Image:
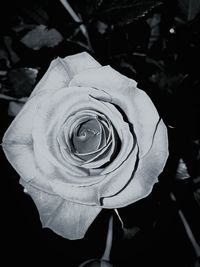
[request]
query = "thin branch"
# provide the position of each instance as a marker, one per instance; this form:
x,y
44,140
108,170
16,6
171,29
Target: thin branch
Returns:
x,y
77,19
10,98
190,234
188,229
79,43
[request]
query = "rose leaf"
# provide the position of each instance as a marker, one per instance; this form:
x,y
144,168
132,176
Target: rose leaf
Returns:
x,y
15,107
124,12
41,37
189,8
22,80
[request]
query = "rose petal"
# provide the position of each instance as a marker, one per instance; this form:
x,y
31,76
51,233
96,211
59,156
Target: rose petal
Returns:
x,y
88,194
135,103
22,159
61,71
146,175
79,62
144,119
17,141
120,177
19,131
105,134
86,137
77,119
55,78
100,158
102,145
126,138
103,78
65,218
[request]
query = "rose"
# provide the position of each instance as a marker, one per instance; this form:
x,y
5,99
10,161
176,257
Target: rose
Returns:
x,y
86,139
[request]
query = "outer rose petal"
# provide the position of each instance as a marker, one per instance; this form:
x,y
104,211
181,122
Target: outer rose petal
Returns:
x,y
17,141
19,132
68,219
146,175
61,71
22,159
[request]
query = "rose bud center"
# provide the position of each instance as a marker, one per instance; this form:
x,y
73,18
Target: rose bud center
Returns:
x,y
86,137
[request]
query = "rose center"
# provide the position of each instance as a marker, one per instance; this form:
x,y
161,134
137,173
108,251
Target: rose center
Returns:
x,y
87,137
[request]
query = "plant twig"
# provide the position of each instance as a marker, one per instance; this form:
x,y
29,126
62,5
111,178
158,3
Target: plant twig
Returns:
x,y
190,234
10,98
188,229
77,19
79,43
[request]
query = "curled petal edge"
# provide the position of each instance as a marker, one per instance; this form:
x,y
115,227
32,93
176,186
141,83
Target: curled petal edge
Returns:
x,y
68,219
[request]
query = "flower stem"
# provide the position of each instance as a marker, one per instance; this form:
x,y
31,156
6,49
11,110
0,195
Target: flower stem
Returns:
x,y
109,239
188,229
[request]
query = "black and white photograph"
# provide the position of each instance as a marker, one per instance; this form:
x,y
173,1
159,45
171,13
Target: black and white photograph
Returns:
x,y
100,133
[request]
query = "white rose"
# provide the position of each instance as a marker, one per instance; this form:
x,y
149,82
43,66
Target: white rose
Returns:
x,y
86,139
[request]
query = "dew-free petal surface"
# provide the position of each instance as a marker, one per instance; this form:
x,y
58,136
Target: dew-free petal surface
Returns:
x,y
146,175
22,159
68,219
61,71
20,130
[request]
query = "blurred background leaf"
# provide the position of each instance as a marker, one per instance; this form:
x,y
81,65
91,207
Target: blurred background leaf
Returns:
x,y
115,11
126,11
22,80
41,37
189,8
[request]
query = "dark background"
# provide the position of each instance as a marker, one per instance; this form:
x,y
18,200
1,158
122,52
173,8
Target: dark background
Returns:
x,y
157,44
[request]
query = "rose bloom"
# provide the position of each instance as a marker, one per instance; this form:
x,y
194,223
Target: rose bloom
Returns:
x,y
86,139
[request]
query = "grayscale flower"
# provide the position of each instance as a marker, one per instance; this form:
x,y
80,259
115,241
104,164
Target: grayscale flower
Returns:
x,y
87,139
